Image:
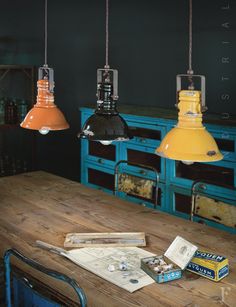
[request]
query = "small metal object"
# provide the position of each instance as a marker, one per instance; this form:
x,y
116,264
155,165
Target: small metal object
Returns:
x,y
157,261
225,115
125,274
167,267
123,266
133,281
157,269
162,262
110,77
111,268
211,153
202,86
46,72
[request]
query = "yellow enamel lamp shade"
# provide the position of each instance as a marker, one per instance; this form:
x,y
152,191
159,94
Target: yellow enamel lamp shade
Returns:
x,y
189,141
44,115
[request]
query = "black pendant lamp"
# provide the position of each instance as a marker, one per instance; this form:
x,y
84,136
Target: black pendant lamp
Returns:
x,y
106,125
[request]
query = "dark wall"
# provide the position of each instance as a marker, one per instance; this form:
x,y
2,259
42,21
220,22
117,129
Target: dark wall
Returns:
x,y
148,45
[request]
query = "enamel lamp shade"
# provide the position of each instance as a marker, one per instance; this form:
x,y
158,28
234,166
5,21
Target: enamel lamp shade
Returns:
x,y
45,115
105,128
106,125
189,141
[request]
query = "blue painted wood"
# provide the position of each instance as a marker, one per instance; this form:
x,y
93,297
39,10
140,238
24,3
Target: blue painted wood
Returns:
x,y
187,183
172,190
24,296
168,176
149,150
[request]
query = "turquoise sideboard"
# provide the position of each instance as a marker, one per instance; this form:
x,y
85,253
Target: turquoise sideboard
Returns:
x,y
149,125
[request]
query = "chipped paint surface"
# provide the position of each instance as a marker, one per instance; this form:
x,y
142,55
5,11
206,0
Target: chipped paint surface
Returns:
x,y
216,210
135,185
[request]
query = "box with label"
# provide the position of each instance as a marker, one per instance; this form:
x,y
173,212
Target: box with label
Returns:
x,y
169,266
212,266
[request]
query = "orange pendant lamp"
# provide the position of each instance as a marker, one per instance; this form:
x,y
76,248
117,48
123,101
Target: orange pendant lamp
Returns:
x,y
190,141
45,115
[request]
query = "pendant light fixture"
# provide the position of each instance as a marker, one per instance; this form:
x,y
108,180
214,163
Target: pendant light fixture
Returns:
x,y
45,116
189,141
106,125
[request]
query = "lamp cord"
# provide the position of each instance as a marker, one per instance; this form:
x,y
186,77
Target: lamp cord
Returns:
x,y
46,33
190,70
107,33
190,50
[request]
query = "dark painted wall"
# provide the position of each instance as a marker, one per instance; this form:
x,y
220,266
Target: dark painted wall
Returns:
x,y
148,45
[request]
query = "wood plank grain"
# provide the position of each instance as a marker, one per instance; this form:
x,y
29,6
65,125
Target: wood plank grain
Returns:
x,y
42,206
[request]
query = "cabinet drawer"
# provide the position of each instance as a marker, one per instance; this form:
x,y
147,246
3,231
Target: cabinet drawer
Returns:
x,y
138,171
98,177
146,156
147,135
150,203
180,205
180,201
221,174
97,153
226,142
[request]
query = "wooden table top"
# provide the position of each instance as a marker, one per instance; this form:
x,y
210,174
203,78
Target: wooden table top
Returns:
x,y
43,206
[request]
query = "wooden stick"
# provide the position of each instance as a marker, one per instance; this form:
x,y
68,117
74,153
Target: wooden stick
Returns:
x,y
51,248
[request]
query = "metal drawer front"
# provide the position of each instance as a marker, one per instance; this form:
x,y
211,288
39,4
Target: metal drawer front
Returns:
x,y
217,174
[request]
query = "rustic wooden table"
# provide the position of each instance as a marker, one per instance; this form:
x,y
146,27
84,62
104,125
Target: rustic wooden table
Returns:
x,y
43,206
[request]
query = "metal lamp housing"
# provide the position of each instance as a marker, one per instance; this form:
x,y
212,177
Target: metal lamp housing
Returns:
x,y
189,141
106,125
45,116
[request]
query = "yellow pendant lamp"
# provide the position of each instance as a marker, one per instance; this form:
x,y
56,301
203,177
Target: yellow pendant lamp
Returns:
x,y
190,141
45,115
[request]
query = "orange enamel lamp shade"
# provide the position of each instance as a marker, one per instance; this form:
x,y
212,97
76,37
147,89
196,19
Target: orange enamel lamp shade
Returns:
x,y
44,114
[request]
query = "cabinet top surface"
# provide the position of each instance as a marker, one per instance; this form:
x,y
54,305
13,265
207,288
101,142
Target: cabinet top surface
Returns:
x,y
16,66
43,206
171,114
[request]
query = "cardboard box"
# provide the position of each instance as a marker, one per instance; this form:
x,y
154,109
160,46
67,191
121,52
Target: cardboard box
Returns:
x,y
211,266
179,254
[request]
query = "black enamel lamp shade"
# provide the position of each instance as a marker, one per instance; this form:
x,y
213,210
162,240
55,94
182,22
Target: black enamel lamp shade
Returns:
x,y
106,125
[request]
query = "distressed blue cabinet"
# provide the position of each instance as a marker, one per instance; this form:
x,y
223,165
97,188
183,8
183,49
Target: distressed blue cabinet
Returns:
x,y
149,126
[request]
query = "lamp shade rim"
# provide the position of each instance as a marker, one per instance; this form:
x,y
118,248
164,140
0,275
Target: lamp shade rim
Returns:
x,y
196,145
45,118
189,157
100,127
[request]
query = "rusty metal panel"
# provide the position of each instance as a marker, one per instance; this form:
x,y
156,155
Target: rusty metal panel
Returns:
x,y
216,210
135,185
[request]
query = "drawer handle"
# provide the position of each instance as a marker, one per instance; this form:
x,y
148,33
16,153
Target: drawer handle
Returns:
x,y
225,136
202,187
142,172
142,140
100,160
